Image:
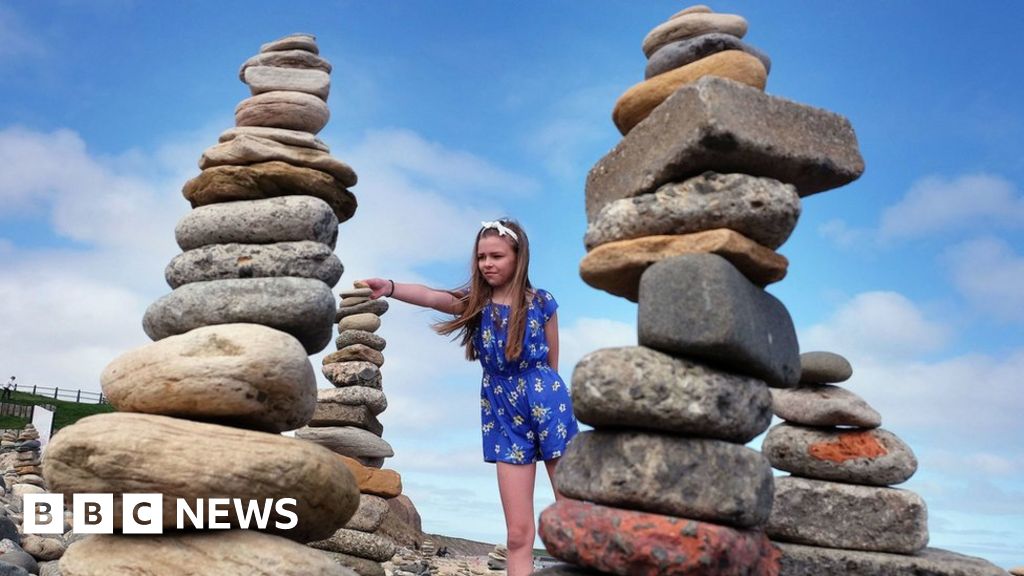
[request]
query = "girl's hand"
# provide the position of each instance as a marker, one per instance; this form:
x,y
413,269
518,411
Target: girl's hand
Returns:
x,y
380,286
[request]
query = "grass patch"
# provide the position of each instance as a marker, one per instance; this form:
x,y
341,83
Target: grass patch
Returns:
x,y
12,422
67,412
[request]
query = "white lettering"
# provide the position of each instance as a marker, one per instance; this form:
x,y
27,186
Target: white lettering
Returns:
x,y
283,511
216,508
196,516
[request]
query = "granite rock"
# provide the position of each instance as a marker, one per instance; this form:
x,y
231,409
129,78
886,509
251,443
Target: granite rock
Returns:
x,y
875,457
370,514
283,109
353,374
355,352
349,337
283,219
800,560
824,368
684,26
824,405
360,544
304,259
682,52
372,398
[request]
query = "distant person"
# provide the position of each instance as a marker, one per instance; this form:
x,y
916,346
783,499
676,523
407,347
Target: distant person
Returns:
x,y
9,389
512,328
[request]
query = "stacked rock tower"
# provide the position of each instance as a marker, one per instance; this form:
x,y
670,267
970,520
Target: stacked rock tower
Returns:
x,y
837,512
202,407
24,474
345,422
684,217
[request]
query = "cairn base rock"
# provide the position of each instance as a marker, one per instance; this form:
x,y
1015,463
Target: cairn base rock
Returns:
x,y
798,560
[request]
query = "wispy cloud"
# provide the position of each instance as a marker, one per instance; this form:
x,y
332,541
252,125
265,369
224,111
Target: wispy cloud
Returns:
x,y
989,274
16,40
936,204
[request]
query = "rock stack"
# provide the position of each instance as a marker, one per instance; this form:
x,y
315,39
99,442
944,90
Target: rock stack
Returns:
x,y
27,465
202,408
684,217
345,421
837,512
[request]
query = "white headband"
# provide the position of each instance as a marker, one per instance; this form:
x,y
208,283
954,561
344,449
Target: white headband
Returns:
x,y
501,228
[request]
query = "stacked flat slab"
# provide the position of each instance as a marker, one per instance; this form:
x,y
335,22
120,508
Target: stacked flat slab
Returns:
x,y
345,422
201,409
685,216
838,508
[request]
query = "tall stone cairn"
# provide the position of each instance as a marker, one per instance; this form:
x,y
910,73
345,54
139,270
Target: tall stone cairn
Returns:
x,y
345,422
685,216
201,409
837,512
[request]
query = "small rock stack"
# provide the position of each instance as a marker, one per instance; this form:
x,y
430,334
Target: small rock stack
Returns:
x,y
202,408
27,465
684,216
345,421
838,511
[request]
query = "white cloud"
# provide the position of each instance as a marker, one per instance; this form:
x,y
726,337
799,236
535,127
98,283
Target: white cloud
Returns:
x,y
587,335
841,234
564,143
934,204
989,274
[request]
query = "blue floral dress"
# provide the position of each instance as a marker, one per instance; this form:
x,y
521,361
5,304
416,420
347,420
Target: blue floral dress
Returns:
x,y
526,411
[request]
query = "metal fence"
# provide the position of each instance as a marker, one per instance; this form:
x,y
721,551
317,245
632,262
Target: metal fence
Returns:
x,y
80,396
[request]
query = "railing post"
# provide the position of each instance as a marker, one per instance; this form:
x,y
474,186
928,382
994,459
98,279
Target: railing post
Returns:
x,y
33,389
78,398
55,391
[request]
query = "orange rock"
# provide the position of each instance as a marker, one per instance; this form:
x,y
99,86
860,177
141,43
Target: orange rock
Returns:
x,y
860,444
375,481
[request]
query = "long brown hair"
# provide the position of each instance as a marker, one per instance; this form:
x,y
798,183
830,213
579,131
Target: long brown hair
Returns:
x,y
476,293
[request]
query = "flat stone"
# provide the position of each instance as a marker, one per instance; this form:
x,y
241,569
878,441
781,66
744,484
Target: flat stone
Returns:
x,y
353,374
289,137
304,259
637,103
800,560
370,514
262,79
629,543
847,516
616,267
348,441
361,544
360,566
876,457
720,125
349,337
245,149
366,321
286,59
1016,571
694,478
379,482
824,368
19,490
243,375
297,41
283,109
221,552
824,405
762,209
357,352
701,307
637,387
140,453
372,398
356,292
353,300
42,548
282,219
683,52
683,26
377,307
301,307
334,414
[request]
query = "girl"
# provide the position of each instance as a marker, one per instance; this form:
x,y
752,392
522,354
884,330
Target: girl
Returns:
x,y
512,329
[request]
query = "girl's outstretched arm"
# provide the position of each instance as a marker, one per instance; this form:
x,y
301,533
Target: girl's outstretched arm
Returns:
x,y
551,333
417,294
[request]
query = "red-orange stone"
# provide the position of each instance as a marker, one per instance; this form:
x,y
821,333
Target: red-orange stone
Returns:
x,y
861,444
641,544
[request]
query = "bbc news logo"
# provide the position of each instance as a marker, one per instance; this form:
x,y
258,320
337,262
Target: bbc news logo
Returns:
x,y
144,514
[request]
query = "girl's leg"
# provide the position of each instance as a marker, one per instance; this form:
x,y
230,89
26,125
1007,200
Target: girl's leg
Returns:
x,y
515,484
551,465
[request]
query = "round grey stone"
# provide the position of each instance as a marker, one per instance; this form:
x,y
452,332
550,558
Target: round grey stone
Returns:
x,y
680,53
366,321
280,219
824,368
876,457
824,405
350,337
377,307
301,307
8,568
360,544
19,559
348,441
334,414
762,209
637,387
361,373
304,259
370,514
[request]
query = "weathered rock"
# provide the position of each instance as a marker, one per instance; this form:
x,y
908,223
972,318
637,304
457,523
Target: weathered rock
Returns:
x,y
49,568
303,259
800,560
283,219
700,306
404,534
720,125
762,209
824,368
379,482
246,149
350,337
355,352
372,398
353,374
366,321
333,414
693,478
370,514
354,292
18,491
361,544
289,137
876,457
377,307
270,78
283,109
616,267
824,405
17,562
43,548
301,307
222,552
140,453
298,41
244,375
685,26
638,102
638,387
632,543
848,516
353,300
402,507
682,52
348,441
1016,571
286,59
361,566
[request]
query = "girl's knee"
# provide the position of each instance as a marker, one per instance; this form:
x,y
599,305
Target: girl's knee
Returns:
x,y
521,536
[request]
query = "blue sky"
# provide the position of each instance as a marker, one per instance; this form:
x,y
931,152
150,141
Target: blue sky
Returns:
x,y
454,112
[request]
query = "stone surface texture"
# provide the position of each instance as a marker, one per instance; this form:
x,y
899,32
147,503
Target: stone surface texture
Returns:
x,y
366,321
286,59
355,352
283,219
377,307
353,374
332,414
270,78
370,514
682,52
289,137
378,482
298,41
350,337
347,441
798,560
875,457
360,544
824,368
372,398
685,26
247,149
303,259
283,109
824,405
